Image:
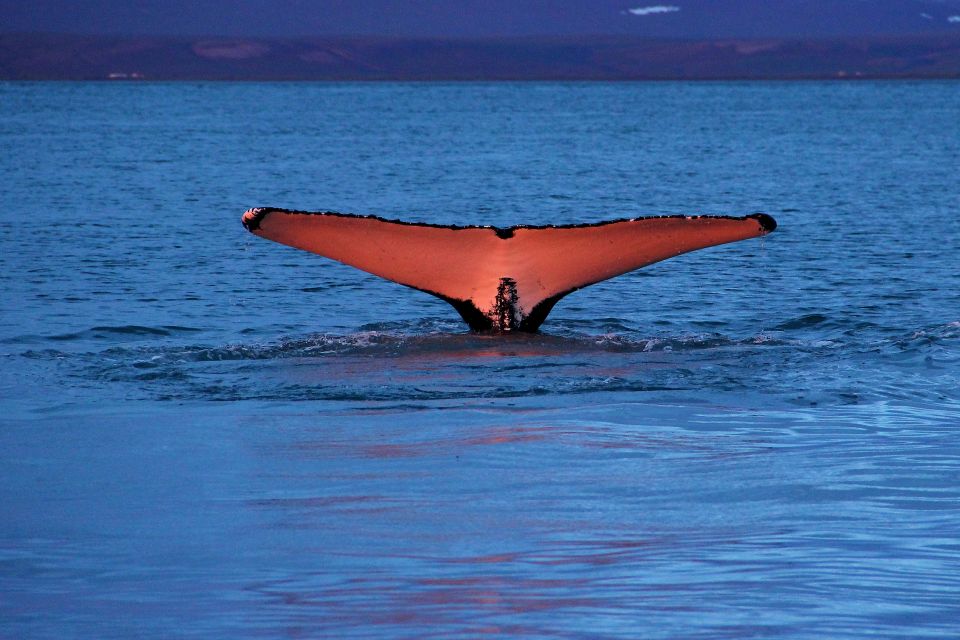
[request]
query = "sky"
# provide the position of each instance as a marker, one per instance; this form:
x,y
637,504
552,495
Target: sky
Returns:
x,y
483,18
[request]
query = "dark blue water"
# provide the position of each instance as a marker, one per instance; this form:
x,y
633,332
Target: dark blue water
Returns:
x,y
208,435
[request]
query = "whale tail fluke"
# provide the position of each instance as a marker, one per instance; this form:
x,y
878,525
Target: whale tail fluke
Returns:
x,y
499,278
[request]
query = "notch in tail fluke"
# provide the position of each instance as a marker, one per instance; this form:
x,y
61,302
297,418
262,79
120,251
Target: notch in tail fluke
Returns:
x,y
505,279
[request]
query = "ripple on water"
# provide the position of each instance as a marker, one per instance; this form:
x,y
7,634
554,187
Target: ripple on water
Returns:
x,y
805,361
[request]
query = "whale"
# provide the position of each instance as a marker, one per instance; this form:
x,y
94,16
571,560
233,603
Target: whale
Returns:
x,y
499,279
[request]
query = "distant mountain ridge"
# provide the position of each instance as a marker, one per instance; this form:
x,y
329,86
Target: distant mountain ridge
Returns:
x,y
66,57
687,19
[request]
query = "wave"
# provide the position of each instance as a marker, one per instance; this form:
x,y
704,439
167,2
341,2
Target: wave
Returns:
x,y
106,333
805,360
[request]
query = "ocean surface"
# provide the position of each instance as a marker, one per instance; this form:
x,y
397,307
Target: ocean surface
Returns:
x,y
207,435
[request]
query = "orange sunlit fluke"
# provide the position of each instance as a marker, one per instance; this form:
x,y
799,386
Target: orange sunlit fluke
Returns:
x,y
505,279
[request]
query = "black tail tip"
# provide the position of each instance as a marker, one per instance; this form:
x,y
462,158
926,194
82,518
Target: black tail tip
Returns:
x,y
767,222
252,217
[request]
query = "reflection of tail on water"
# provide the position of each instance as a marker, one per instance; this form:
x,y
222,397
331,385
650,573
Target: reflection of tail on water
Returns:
x,y
499,279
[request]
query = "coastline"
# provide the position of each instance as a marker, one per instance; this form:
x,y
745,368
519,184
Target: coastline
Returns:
x,y
391,59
